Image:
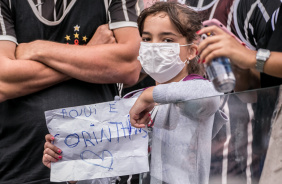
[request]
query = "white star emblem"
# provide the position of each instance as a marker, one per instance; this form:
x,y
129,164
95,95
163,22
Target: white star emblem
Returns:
x,y
76,28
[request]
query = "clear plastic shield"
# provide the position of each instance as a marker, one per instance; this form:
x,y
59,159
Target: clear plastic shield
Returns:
x,y
222,139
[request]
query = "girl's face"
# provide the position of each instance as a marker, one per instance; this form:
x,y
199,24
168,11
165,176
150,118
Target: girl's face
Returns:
x,y
159,29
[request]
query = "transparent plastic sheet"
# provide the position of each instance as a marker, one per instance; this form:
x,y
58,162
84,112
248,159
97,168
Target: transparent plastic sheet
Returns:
x,y
229,149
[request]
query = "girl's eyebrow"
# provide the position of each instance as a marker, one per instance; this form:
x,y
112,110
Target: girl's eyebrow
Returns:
x,y
147,33
161,34
167,33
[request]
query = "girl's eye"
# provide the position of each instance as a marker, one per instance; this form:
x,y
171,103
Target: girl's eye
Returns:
x,y
146,39
167,40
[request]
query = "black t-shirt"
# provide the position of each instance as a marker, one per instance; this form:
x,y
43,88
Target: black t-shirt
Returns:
x,y
22,120
246,19
273,42
253,22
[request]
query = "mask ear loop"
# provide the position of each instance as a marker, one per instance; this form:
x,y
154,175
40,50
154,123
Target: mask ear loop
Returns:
x,y
187,60
186,44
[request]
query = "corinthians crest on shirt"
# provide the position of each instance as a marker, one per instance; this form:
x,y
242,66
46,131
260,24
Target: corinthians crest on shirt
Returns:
x,y
75,37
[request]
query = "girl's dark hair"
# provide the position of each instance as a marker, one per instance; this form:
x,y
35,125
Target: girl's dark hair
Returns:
x,y
186,21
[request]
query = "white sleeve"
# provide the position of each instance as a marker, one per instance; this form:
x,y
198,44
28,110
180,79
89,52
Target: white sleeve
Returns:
x,y
183,91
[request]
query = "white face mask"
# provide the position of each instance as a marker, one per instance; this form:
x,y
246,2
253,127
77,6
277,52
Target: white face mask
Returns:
x,y
161,60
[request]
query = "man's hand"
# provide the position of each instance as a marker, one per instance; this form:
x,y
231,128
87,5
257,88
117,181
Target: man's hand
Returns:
x,y
25,51
103,35
222,44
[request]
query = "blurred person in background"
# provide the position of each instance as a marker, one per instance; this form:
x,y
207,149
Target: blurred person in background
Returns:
x,y
45,65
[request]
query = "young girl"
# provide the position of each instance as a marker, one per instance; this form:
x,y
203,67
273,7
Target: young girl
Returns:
x,y
182,132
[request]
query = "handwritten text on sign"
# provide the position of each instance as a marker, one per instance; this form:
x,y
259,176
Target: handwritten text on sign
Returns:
x,y
97,141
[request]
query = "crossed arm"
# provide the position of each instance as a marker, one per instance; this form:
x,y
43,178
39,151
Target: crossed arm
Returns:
x,y
104,63
22,77
41,64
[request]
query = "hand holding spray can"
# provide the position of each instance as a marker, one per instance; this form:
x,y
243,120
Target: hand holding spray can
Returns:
x,y
220,73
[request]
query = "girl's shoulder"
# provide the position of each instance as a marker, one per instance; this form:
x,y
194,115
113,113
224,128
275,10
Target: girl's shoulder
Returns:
x,y
194,77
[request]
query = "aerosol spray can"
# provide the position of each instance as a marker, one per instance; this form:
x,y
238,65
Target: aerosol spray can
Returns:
x,y
220,73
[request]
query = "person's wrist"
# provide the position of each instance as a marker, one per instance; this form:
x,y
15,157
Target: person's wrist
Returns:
x,y
38,50
148,95
252,60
